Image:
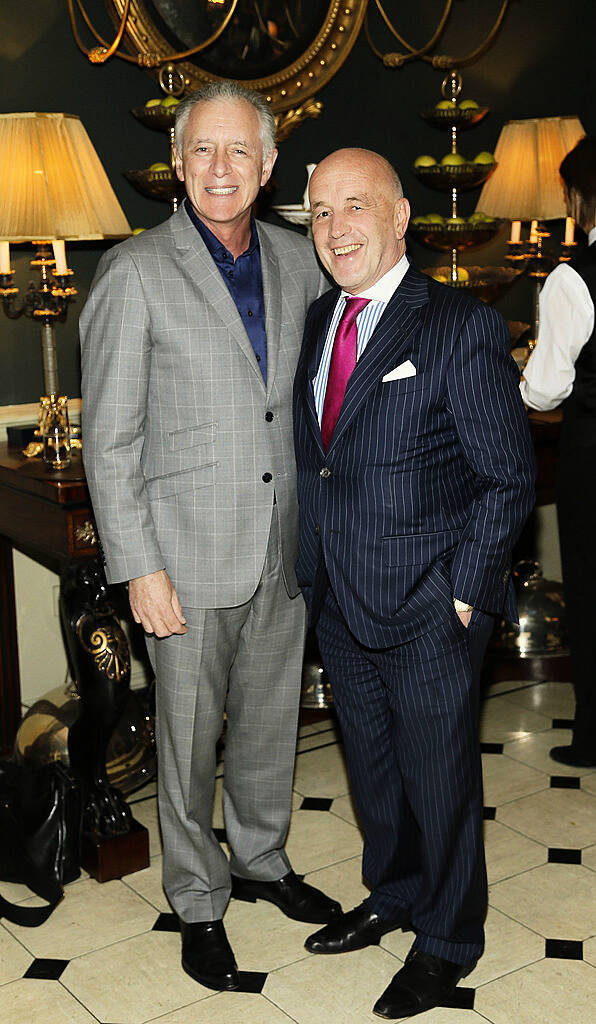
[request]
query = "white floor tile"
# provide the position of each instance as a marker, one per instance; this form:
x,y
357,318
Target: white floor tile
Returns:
x,y
228,1008
322,773
508,852
343,882
555,700
90,916
148,884
262,938
344,807
147,814
534,751
33,1000
332,989
506,780
501,720
509,946
549,992
555,817
317,839
14,958
589,858
133,981
556,900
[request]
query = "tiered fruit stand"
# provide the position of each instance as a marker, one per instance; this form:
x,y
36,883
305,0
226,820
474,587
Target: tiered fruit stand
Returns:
x,y
453,174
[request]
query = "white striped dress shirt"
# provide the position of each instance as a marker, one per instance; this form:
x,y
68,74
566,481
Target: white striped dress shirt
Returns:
x,y
366,321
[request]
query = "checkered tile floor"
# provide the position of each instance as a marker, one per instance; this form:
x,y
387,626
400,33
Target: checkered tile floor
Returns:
x,y
110,952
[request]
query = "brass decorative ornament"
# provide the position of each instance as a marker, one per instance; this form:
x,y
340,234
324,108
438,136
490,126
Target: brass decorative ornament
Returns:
x,y
287,52
108,646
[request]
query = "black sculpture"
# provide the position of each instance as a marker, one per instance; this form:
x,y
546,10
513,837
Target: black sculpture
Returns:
x,y
100,664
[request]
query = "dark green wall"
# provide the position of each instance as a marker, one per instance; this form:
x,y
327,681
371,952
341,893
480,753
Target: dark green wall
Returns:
x,y
540,66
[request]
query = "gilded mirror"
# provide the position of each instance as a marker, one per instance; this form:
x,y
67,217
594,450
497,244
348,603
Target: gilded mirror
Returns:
x,y
287,49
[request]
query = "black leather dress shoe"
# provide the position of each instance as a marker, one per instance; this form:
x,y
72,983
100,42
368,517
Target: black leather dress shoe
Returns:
x,y
295,898
423,982
207,955
574,758
355,929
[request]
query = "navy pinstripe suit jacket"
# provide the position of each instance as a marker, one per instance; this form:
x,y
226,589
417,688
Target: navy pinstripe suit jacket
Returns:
x,y
430,478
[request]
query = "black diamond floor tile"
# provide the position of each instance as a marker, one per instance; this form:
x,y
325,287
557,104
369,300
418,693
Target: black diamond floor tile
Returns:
x,y
557,855
315,803
220,835
167,923
489,813
562,723
462,999
564,949
251,981
491,748
564,782
45,969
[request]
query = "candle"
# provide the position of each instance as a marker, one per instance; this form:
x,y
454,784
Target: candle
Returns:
x,y
4,258
515,231
569,230
534,231
60,257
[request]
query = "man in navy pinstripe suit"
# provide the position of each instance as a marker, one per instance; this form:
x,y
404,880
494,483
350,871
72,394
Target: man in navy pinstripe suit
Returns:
x,y
411,498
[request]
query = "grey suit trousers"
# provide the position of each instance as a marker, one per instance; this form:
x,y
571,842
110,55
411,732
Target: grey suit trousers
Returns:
x,y
247,661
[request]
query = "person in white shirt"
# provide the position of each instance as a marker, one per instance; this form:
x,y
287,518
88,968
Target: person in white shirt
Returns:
x,y
562,369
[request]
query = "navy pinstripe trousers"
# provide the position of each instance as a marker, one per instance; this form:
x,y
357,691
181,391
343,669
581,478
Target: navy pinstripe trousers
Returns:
x,y
409,718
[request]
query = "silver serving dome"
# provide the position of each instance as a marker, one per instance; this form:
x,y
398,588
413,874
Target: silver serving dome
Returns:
x,y
542,628
43,736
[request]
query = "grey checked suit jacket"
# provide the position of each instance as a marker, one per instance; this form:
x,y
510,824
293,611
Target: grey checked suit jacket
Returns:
x,y
177,446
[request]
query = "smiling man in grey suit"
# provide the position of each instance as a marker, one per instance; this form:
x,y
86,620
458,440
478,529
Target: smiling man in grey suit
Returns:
x,y
190,339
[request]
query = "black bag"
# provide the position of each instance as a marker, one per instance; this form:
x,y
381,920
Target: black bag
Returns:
x,y
40,831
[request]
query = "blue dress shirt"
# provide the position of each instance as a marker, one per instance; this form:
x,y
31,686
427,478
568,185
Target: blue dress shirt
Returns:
x,y
244,280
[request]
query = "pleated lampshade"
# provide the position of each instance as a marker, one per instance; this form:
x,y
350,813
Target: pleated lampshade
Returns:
x,y
52,183
526,185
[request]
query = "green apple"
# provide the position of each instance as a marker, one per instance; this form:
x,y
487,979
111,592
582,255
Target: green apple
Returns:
x,y
170,101
153,103
424,161
468,105
159,167
453,160
484,158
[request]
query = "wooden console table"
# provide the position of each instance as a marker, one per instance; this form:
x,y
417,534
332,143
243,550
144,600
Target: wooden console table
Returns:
x,y
49,515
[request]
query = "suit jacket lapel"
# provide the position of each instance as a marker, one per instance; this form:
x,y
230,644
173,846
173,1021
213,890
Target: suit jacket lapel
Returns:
x,y
390,337
194,253
314,342
272,299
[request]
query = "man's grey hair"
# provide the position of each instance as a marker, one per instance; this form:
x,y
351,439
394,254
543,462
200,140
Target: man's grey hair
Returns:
x,y
227,90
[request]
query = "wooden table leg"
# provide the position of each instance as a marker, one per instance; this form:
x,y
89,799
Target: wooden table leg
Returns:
x,y
10,683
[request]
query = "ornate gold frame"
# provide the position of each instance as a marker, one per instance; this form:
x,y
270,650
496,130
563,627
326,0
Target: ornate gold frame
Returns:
x,y
288,89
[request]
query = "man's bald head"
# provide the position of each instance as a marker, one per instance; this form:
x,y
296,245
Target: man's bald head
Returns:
x,y
359,216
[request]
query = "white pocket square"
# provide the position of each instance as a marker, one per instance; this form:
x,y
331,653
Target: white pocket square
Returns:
x,y
406,369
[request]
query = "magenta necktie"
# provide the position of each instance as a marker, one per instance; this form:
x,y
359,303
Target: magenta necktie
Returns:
x,y
341,366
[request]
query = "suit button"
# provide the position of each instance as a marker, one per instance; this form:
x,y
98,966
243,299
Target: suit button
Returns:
x,y
268,415
267,478
506,576
325,472
317,531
